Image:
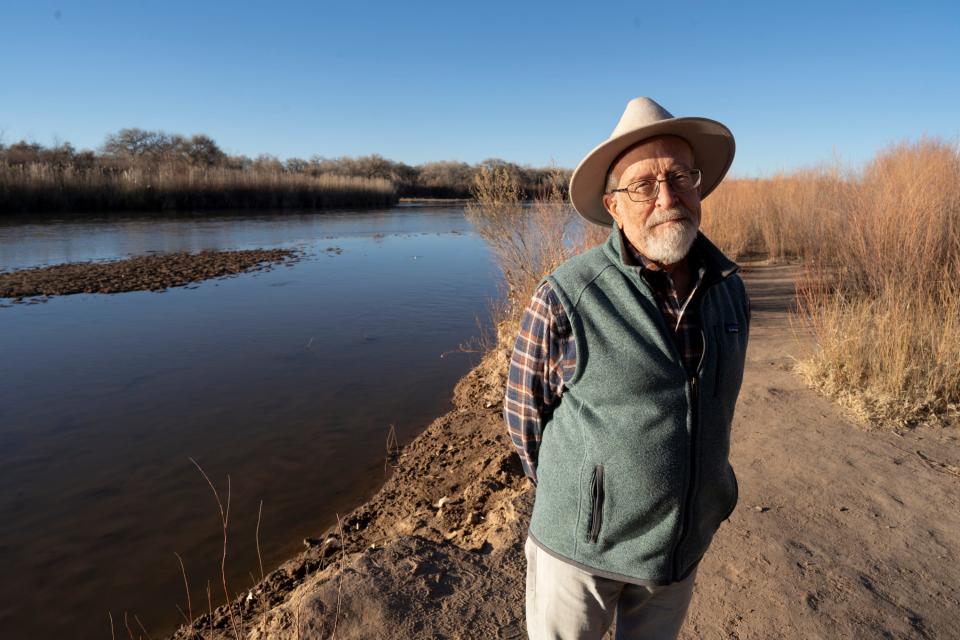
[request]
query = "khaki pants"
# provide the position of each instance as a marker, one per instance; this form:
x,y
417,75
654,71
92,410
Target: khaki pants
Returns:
x,y
565,602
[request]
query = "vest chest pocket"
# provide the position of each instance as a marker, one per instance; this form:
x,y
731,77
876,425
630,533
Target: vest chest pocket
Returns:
x,y
596,502
730,354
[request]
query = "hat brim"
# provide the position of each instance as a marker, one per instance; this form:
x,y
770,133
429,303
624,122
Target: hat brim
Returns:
x,y
713,150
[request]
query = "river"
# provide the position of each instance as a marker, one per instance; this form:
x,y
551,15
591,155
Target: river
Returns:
x,y
286,380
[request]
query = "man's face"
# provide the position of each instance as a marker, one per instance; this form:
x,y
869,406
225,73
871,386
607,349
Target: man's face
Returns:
x,y
662,229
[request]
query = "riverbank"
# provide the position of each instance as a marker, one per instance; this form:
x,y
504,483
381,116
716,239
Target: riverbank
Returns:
x,y
841,530
443,524
140,273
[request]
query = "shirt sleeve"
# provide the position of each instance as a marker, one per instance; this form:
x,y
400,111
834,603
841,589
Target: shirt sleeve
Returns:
x,y
543,360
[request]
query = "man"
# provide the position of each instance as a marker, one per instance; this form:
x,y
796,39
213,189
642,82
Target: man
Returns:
x,y
623,384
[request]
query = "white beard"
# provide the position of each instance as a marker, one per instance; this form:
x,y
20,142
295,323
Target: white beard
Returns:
x,y
671,243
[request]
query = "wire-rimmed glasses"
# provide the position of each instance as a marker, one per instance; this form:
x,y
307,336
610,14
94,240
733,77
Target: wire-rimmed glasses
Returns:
x,y
649,188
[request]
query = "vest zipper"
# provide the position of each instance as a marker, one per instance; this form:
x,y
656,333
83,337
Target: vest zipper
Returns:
x,y
596,513
687,506
692,382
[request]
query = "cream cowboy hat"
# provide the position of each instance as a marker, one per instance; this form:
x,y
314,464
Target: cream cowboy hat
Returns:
x,y
712,143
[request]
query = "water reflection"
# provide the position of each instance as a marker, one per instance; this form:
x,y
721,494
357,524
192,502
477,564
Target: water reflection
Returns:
x,y
45,240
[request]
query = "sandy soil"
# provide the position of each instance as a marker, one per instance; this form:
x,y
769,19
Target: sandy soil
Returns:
x,y
141,273
842,530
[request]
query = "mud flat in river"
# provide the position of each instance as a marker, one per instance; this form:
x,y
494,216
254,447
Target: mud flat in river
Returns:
x,y
140,273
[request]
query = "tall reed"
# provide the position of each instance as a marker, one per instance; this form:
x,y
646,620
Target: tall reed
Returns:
x,y
779,218
880,250
881,288
42,187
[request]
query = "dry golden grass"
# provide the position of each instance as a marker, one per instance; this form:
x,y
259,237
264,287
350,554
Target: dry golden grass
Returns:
x,y
38,187
771,218
881,256
882,285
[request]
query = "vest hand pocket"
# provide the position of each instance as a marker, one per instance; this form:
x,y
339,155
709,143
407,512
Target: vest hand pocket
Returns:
x,y
736,495
596,511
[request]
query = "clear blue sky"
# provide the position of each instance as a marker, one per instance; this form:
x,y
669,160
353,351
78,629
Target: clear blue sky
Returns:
x,y
798,83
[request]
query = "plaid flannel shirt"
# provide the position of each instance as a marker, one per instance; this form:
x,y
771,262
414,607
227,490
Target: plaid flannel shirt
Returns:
x,y
545,354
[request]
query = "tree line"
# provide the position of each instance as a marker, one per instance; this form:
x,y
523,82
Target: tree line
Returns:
x,y
145,150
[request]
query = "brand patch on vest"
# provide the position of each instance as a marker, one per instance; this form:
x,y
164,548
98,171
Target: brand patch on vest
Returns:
x,y
732,328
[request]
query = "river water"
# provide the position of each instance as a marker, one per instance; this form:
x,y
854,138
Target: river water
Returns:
x,y
286,380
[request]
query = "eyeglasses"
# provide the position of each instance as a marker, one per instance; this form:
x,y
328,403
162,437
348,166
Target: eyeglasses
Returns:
x,y
649,188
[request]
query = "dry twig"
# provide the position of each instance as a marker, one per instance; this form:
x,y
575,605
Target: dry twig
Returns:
x,y
343,543
142,628
186,587
393,448
225,519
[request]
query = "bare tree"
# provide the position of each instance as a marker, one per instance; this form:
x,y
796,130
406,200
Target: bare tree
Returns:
x,y
203,151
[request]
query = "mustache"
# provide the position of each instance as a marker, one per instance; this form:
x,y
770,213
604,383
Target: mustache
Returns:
x,y
669,215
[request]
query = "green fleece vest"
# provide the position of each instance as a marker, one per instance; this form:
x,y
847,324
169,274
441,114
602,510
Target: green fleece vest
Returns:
x,y
633,472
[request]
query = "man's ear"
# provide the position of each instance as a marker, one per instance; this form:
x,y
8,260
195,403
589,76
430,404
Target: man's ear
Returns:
x,y
610,204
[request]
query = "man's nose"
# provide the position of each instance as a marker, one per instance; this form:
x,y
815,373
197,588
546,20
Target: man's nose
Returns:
x,y
666,198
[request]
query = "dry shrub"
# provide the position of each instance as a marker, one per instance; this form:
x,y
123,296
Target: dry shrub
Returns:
x,y
528,240
497,188
881,289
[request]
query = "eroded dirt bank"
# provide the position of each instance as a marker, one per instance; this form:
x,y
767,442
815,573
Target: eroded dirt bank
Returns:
x,y
141,273
841,531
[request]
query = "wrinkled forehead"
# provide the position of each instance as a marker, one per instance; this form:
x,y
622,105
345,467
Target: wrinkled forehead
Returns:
x,y
652,154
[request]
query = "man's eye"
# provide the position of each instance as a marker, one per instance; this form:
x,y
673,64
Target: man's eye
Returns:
x,y
642,185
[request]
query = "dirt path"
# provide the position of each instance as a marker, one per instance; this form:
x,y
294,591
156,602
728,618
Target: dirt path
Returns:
x,y
840,532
